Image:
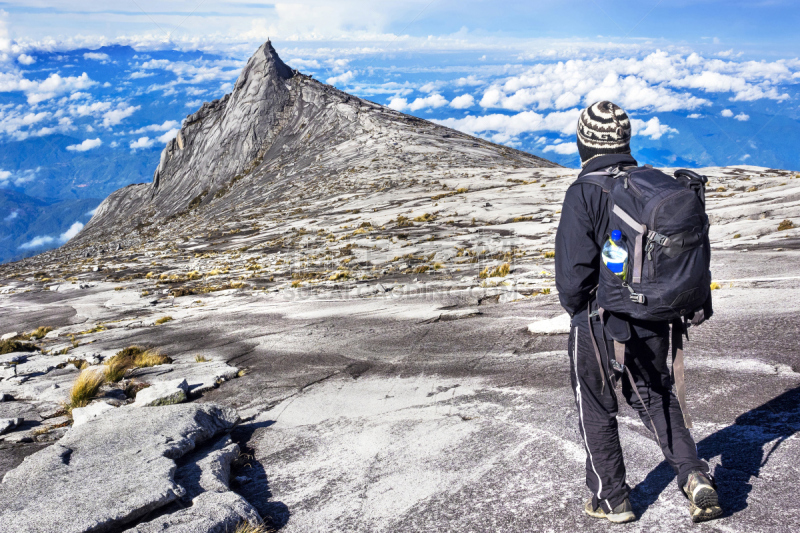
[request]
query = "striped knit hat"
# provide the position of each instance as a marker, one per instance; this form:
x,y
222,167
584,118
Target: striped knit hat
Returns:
x,y
603,128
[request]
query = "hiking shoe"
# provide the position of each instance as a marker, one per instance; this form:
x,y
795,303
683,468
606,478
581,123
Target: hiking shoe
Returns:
x,y
703,499
622,513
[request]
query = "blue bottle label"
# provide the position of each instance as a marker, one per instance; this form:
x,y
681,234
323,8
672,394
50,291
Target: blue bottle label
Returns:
x,y
616,268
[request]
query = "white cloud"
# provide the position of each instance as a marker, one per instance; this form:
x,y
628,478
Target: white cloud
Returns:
x,y
300,64
470,80
18,124
97,56
25,59
632,83
509,126
71,232
742,117
46,240
695,115
563,148
398,104
168,136
37,242
341,79
88,144
39,91
653,128
727,113
431,86
167,125
432,101
14,214
192,72
194,103
141,142
463,102
18,178
94,109
115,116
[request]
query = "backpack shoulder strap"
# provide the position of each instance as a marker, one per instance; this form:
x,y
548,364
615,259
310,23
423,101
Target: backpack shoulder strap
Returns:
x,y
603,179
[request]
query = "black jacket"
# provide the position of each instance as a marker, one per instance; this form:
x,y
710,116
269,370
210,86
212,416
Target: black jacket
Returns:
x,y
582,231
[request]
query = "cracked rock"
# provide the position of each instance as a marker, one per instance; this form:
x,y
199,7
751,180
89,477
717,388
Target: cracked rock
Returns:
x,y
109,473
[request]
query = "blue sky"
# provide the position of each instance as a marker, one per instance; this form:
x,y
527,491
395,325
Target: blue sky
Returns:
x,y
89,94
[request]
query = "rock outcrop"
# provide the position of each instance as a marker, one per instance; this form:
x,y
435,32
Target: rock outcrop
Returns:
x,y
120,467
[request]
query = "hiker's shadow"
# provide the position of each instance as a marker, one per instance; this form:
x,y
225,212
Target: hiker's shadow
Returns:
x,y
744,447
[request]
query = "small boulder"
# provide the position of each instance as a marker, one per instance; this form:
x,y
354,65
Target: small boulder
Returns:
x,y
81,415
7,424
162,393
10,335
510,296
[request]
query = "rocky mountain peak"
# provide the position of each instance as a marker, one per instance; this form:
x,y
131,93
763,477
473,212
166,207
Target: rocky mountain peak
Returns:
x,y
267,60
276,134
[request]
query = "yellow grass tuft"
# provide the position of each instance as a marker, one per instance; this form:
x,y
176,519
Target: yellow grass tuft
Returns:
x,y
786,224
151,358
194,274
246,527
549,255
39,332
715,285
497,272
201,359
342,274
163,320
85,388
130,357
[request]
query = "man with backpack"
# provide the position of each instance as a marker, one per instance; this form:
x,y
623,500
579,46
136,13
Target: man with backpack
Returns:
x,y
622,312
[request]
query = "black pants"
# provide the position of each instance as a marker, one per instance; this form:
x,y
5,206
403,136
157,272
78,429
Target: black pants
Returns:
x,y
646,357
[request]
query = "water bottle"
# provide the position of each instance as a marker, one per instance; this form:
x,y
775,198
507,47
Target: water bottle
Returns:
x,y
615,255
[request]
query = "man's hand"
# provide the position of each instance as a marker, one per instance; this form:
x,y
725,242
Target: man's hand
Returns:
x,y
701,315
697,318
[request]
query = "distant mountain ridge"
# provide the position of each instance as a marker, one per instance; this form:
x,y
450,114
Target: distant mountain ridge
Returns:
x,y
24,218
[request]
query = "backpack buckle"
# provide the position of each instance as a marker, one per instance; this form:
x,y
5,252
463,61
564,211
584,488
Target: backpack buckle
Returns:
x,y
637,298
617,367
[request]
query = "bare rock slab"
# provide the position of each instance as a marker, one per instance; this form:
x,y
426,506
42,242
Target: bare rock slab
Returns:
x,y
108,472
553,326
162,393
81,415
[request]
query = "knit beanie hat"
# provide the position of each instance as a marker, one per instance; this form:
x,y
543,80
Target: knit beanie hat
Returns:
x,y
603,128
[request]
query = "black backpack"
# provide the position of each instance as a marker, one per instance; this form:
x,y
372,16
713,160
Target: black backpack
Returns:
x,y
665,227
